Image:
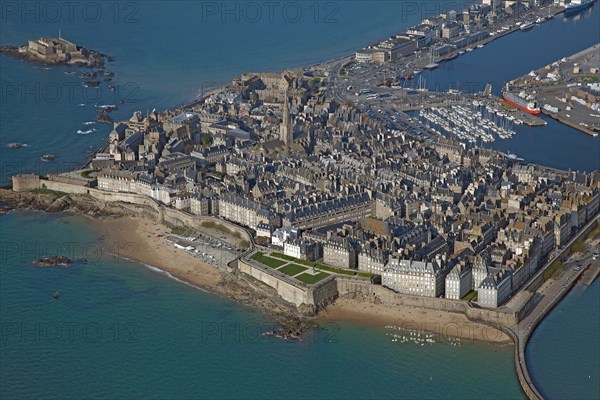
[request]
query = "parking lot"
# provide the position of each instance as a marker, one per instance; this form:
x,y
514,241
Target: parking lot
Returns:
x,y
214,251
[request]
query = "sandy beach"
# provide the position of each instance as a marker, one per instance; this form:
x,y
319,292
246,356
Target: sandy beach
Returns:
x,y
136,238
141,239
445,325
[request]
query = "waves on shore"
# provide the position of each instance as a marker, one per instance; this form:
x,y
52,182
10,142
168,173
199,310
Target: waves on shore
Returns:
x,y
163,272
168,274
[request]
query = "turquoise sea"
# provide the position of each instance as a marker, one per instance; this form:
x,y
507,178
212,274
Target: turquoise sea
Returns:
x,y
564,352
124,330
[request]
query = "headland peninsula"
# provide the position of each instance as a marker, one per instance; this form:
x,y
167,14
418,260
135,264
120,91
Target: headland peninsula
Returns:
x,y
345,205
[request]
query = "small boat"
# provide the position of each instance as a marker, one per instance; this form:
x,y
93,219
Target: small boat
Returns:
x,y
48,157
15,145
55,294
527,26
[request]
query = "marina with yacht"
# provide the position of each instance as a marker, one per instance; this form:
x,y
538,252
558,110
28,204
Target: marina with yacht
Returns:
x,y
468,123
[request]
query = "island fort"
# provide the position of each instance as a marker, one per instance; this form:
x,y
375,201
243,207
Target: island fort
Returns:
x,y
55,51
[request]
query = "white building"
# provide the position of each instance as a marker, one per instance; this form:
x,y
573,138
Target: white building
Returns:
x,y
302,249
199,205
281,235
459,282
241,210
364,56
292,248
373,262
494,290
162,193
417,278
479,272
264,230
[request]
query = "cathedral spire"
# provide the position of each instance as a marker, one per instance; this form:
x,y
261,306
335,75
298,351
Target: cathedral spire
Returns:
x,y
285,129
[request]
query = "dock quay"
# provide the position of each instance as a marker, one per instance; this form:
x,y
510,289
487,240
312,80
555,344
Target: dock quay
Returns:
x,y
427,63
590,274
567,90
528,119
570,122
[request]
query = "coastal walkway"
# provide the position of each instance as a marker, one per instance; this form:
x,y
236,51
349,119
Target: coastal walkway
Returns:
x,y
546,298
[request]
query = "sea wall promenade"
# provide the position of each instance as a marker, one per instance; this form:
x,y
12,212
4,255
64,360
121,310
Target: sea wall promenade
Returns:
x,y
165,214
490,317
543,302
318,294
518,318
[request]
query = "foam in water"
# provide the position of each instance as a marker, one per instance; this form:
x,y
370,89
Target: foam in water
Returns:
x,y
168,274
161,271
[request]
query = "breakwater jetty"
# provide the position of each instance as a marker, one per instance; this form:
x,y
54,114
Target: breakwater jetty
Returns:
x,y
544,296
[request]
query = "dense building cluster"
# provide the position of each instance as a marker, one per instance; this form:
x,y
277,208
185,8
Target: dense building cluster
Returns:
x,y
449,31
324,181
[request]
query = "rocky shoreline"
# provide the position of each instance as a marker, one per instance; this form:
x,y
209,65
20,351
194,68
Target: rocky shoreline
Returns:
x,y
55,202
292,322
53,261
244,290
94,59
80,57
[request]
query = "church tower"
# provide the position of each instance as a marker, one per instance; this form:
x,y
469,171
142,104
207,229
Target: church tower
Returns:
x,y
285,129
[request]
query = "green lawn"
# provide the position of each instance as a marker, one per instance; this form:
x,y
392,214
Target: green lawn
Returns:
x,y
578,247
179,230
589,79
283,256
595,233
553,270
268,261
334,270
321,266
310,279
471,296
292,269
45,190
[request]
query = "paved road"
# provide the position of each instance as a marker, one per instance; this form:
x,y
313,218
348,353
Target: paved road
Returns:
x,y
574,267
550,292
